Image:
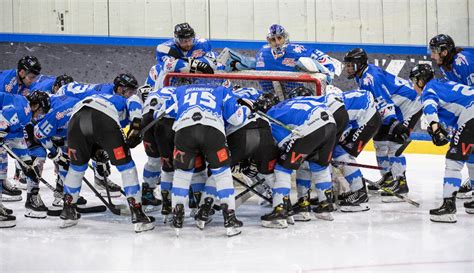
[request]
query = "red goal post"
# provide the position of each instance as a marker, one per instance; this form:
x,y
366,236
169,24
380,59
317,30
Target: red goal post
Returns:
x,y
281,80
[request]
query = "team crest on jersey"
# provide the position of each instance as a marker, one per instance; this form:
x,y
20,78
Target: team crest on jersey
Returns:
x,y
298,48
289,62
369,79
3,124
198,53
461,59
59,115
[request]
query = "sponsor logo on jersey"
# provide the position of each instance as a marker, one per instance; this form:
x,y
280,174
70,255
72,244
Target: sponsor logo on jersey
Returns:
x,y
27,110
119,153
59,115
222,155
289,62
197,116
198,53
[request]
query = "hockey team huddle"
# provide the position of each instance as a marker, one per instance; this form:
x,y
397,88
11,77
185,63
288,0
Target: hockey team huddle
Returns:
x,y
200,136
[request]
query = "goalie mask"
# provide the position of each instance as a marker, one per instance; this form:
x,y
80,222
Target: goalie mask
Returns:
x,y
278,40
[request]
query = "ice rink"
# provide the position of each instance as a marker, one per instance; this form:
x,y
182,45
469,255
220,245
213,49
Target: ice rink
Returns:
x,y
394,237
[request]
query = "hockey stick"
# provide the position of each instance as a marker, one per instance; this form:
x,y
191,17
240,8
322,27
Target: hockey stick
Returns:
x,y
335,162
108,193
91,209
155,121
277,122
251,189
113,208
404,198
246,194
402,148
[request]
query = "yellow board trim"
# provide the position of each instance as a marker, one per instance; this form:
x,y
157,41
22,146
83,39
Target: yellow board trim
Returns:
x,y
417,147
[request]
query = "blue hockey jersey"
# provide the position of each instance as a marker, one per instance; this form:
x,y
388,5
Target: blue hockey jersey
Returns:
x,y
448,102
55,122
15,113
394,97
462,69
302,114
44,83
81,90
206,105
10,84
157,98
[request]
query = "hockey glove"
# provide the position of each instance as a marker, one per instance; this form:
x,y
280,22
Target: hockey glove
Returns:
x,y
3,134
203,67
133,136
59,158
398,130
143,92
439,136
31,171
246,102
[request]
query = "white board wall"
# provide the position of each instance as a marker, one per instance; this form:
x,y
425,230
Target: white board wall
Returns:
x,y
346,21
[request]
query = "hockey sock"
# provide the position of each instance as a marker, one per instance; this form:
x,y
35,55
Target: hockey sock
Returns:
x,y
152,171
303,180
381,152
322,176
282,185
398,163
452,177
470,168
210,189
198,181
180,190
224,186
73,181
269,179
130,183
352,174
166,180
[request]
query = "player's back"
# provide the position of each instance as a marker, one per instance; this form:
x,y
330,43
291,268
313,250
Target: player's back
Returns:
x,y
43,83
462,68
81,90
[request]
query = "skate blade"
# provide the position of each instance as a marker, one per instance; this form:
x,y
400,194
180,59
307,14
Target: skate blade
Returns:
x,y
200,224
165,218
392,199
232,231
447,218
470,211
114,194
177,231
265,203
7,224
142,227
324,216
302,217
464,195
281,223
35,214
150,208
193,212
58,205
290,220
68,223
11,198
357,208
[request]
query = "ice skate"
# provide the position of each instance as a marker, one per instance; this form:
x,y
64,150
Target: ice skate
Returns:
x,y
465,191
20,179
149,201
278,218
469,206
35,207
231,223
6,219
399,186
203,216
166,205
302,209
355,201
114,189
69,215
446,213
10,192
178,218
386,178
141,221
323,211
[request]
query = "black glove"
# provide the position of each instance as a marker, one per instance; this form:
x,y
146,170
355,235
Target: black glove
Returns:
x,y
31,171
133,135
60,158
101,156
246,102
203,67
398,130
439,136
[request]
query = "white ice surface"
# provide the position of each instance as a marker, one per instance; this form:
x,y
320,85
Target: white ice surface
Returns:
x,y
389,238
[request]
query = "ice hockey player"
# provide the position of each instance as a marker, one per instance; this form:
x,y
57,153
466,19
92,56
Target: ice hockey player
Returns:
x,y
400,109
449,110
17,81
282,55
96,124
200,112
364,121
15,114
81,91
457,65
312,139
185,53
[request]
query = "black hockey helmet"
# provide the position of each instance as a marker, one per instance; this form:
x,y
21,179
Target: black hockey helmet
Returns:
x,y
422,72
442,42
40,98
125,80
358,58
300,91
266,101
62,80
30,64
184,31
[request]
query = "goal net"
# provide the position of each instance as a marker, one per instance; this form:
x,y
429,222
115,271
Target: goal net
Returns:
x,y
279,82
